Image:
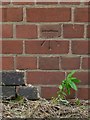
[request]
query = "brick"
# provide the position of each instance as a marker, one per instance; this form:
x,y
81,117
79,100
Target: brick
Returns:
x,y
7,31
50,31
22,2
7,63
26,31
47,47
88,31
52,92
87,3
48,14
8,92
83,93
73,31
13,78
0,31
80,47
0,16
83,77
85,63
24,62
49,63
12,47
0,46
45,78
31,93
1,63
47,2
70,2
70,63
12,14
82,15
5,3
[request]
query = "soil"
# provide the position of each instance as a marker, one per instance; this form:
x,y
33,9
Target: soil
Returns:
x,y
43,109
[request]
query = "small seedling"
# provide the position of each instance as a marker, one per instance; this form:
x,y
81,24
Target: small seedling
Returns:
x,y
65,88
77,102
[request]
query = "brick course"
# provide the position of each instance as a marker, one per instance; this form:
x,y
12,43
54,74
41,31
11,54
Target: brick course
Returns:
x,y
7,63
12,47
12,14
26,31
42,42
73,31
45,78
70,63
81,14
49,63
13,78
50,31
24,62
48,14
46,47
7,31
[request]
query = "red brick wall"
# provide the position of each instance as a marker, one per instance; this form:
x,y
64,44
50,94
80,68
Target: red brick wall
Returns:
x,y
46,41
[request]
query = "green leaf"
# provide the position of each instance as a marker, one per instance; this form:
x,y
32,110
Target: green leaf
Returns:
x,y
68,89
71,74
75,80
60,87
72,84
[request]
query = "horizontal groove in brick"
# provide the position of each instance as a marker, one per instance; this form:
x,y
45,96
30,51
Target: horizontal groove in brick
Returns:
x,y
50,31
45,78
24,62
12,78
47,47
48,14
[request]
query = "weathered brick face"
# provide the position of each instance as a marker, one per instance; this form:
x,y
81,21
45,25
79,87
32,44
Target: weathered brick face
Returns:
x,y
42,42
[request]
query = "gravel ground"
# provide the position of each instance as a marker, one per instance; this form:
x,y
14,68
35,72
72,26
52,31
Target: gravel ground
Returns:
x,y
43,109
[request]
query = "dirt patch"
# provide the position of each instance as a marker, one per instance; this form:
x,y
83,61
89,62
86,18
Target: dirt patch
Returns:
x,y
44,109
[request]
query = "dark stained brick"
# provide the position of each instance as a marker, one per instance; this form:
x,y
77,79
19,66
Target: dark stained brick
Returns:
x,y
7,92
13,78
30,93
